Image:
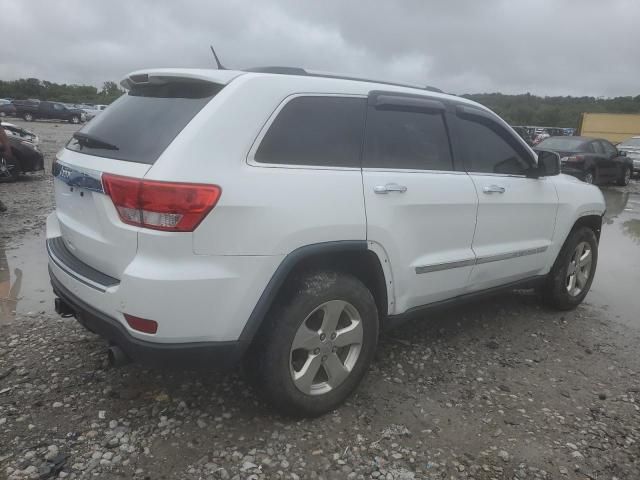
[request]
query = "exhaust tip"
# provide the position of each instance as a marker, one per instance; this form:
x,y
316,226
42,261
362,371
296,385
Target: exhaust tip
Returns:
x,y
116,357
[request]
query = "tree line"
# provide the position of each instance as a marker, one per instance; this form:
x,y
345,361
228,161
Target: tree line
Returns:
x,y
565,112
25,88
523,109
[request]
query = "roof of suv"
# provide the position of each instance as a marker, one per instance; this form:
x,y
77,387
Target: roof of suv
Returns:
x,y
298,77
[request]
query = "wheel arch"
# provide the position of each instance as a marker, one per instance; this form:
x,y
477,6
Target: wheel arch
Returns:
x,y
592,221
346,256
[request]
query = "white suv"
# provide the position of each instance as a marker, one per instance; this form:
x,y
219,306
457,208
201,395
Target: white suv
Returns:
x,y
284,217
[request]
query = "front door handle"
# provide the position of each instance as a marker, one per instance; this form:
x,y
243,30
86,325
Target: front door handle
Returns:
x,y
493,189
389,187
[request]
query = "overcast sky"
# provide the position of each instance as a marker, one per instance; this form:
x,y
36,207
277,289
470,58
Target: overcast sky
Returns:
x,y
546,47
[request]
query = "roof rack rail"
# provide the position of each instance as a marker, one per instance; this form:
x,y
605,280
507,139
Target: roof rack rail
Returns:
x,y
303,72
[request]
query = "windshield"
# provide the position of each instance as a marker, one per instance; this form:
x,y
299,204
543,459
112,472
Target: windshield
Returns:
x,y
141,124
632,142
570,144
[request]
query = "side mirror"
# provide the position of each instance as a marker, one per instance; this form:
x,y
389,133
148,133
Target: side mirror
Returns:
x,y
548,164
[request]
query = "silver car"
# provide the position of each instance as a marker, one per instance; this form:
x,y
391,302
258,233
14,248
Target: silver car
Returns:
x,y
631,147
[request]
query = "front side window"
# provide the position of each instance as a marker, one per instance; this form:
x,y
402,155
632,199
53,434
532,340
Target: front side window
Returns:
x,y
319,131
597,147
490,148
406,140
58,107
609,149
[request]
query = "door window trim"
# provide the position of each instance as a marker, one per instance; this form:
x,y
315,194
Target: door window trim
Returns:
x,y
518,144
413,103
251,154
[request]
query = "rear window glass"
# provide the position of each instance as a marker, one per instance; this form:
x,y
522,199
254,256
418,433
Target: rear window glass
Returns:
x,y
319,131
141,124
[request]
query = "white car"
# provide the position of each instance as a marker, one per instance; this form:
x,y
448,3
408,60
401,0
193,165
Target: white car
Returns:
x,y
285,218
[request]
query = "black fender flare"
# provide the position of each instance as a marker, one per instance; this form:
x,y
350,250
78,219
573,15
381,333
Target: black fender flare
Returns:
x,y
280,275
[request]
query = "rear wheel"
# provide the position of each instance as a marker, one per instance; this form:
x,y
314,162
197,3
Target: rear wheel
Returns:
x,y
625,176
572,274
316,346
75,119
28,117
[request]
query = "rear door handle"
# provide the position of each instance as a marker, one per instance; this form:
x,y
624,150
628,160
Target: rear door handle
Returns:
x,y
389,187
493,189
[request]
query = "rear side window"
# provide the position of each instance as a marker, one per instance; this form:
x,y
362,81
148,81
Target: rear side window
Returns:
x,y
318,131
406,140
141,124
490,148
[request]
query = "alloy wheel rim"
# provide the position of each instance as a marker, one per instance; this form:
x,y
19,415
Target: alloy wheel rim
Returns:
x,y
579,269
627,176
326,347
588,177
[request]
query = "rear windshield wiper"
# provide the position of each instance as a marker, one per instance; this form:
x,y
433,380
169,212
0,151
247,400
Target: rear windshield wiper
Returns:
x,y
86,140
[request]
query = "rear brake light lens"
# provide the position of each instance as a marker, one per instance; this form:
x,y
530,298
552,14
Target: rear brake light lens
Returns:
x,y
141,324
168,206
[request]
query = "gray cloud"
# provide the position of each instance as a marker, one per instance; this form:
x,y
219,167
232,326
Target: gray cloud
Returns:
x,y
548,47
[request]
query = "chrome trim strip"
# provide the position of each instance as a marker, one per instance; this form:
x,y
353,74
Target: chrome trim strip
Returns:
x,y
75,177
508,256
479,261
68,271
445,266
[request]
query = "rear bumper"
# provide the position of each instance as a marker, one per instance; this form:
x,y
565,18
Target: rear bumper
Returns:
x,y
215,355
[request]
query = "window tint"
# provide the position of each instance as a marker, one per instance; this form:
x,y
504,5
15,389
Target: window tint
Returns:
x,y
609,149
404,139
490,148
321,131
597,147
142,123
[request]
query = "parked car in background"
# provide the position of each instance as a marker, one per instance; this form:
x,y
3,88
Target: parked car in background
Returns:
x,y
631,147
92,111
593,160
26,154
31,111
7,109
359,218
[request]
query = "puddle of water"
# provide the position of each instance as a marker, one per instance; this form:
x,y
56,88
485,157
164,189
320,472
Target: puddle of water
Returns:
x,y
24,279
616,286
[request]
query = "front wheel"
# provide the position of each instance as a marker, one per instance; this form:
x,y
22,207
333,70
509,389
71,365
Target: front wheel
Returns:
x,y
75,119
625,177
572,274
9,170
589,177
316,346
28,117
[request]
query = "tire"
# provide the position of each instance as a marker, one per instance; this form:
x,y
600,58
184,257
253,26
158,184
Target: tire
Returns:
x,y
3,114
74,119
625,177
28,117
304,317
559,291
590,177
9,170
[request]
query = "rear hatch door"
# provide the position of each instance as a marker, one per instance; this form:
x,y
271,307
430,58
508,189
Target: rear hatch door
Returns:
x,y
126,139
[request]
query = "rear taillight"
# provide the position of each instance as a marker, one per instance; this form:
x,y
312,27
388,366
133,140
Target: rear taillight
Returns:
x,y
169,206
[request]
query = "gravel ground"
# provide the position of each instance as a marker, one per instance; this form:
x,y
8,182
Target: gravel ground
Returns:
x,y
501,389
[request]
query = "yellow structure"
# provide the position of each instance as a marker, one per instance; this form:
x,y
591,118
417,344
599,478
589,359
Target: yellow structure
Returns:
x,y
614,127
